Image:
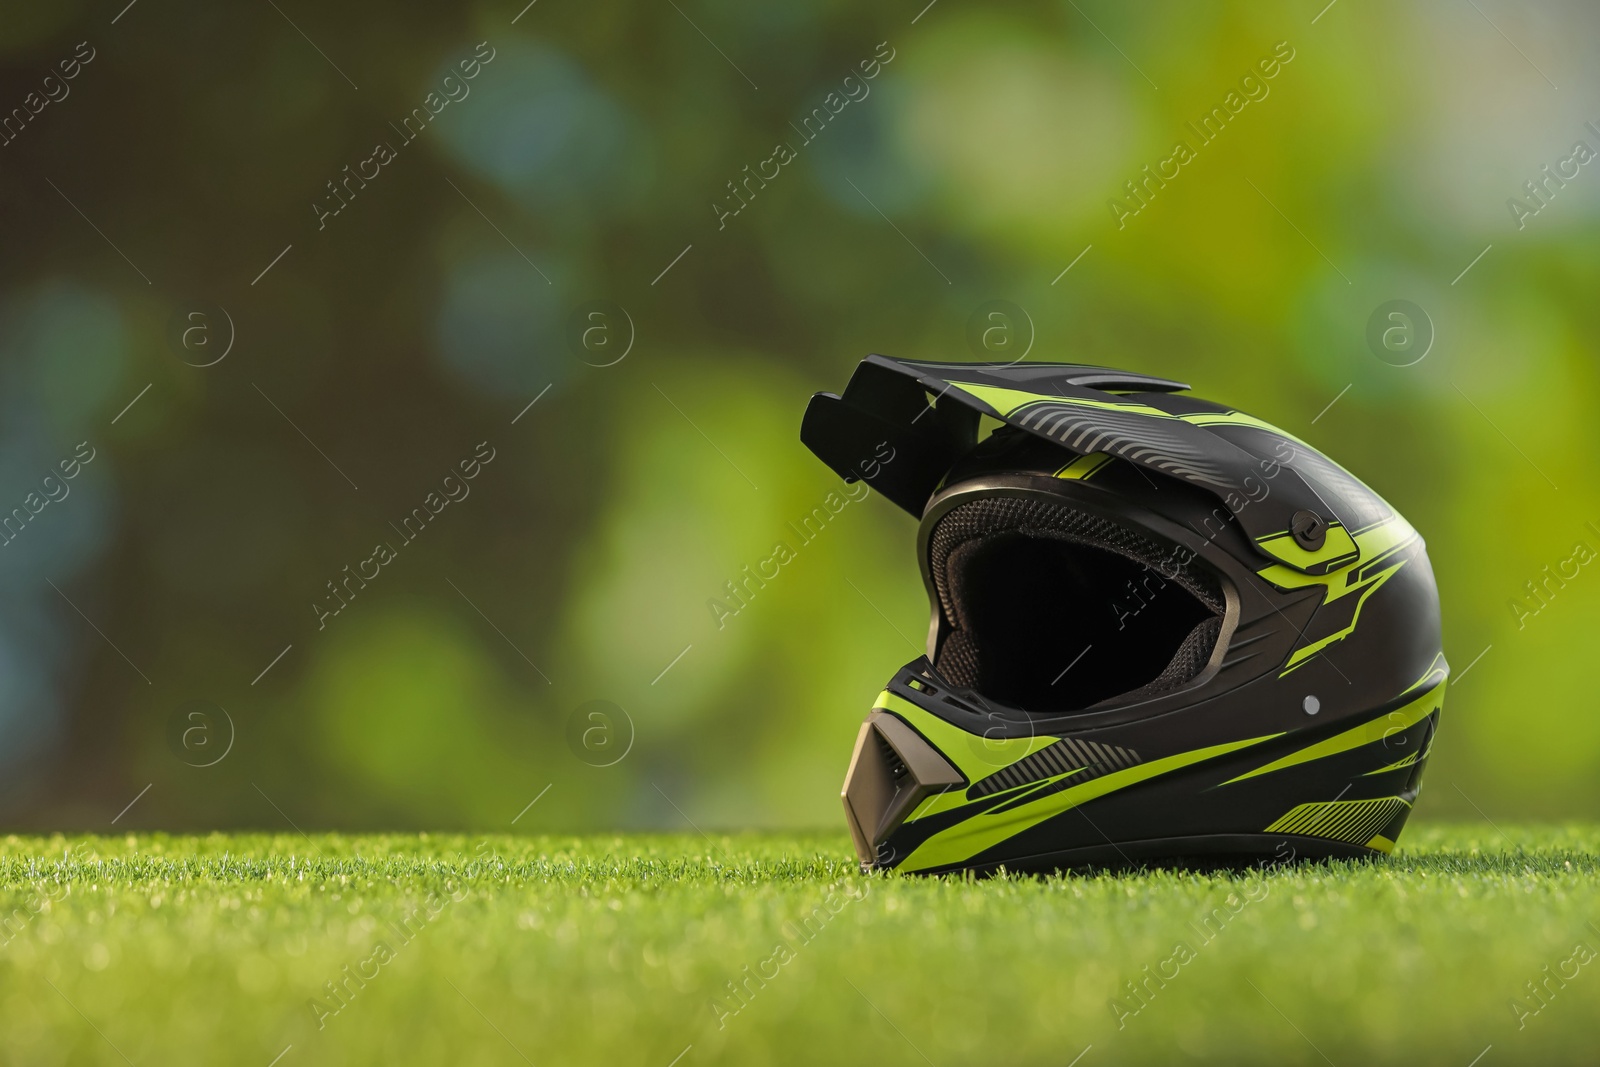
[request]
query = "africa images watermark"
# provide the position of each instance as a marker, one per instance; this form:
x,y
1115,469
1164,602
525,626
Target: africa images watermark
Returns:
x,y
1543,189
795,935
454,90
1140,595
1142,190
741,591
341,990
1541,991
454,489
22,914
1138,994
1542,593
1254,489
52,90
55,490
852,90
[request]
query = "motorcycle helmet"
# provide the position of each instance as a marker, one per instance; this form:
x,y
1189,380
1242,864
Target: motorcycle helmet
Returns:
x,y
1161,630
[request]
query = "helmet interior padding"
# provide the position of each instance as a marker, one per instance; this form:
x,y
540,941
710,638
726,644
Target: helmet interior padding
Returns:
x,y
1054,609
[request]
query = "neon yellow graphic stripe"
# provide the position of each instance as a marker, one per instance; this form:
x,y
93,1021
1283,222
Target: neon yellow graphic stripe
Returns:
x,y
1239,418
1400,764
1337,543
1007,401
956,796
1035,787
974,756
1368,586
1377,544
986,829
1367,733
1437,672
1352,821
1084,466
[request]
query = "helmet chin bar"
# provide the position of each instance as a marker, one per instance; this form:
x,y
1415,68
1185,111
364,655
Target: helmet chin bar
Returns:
x,y
892,770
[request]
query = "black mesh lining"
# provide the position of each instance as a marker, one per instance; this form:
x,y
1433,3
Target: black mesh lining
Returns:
x,y
1053,609
1186,662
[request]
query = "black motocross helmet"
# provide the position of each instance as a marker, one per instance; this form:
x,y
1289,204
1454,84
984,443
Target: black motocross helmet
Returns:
x,y
1162,629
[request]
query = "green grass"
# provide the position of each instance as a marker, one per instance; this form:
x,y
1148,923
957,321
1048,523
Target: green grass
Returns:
x,y
619,950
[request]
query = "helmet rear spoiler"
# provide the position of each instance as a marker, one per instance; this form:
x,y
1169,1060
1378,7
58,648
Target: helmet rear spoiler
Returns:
x,y
928,413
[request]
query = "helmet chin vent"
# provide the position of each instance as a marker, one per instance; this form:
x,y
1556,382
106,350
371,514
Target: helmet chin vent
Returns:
x,y
892,763
1079,760
1053,609
892,771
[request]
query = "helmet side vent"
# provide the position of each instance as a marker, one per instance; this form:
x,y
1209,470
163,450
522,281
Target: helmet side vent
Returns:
x,y
1089,759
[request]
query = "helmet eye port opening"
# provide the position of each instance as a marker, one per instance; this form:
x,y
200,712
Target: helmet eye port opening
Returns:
x,y
1049,609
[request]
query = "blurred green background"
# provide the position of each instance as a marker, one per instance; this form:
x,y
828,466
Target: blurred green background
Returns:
x,y
453,288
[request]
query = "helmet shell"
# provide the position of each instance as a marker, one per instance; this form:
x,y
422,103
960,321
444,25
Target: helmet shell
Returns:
x,y
1294,721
